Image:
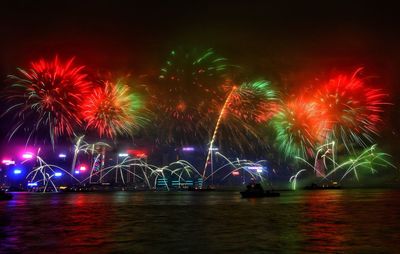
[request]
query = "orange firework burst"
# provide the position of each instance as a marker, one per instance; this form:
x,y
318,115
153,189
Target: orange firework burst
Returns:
x,y
299,126
112,110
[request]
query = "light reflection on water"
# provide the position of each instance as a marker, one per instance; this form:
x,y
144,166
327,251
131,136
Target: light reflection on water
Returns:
x,y
336,221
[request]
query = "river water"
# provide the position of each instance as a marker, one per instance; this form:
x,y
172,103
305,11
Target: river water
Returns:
x,y
330,221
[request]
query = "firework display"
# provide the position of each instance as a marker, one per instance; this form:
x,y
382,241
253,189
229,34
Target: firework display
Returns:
x,y
196,100
199,127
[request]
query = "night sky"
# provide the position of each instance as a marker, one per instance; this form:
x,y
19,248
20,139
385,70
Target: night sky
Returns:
x,y
286,42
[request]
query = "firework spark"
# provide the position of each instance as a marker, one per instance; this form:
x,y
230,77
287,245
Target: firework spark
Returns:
x,y
252,105
227,101
255,102
187,92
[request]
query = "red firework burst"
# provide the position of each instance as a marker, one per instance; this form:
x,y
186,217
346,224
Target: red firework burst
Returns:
x,y
353,108
49,94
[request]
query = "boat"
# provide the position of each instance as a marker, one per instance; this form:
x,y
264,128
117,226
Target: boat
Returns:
x,y
5,196
314,186
255,190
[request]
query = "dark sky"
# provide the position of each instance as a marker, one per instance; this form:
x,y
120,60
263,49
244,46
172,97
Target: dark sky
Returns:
x,y
271,39
135,35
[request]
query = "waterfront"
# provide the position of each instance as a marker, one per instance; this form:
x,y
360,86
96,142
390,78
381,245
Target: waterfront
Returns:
x,y
336,221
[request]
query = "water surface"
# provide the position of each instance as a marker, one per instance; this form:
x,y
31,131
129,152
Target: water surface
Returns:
x,y
330,221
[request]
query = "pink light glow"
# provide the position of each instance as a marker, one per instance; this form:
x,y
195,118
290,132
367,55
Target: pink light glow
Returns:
x,y
27,155
8,162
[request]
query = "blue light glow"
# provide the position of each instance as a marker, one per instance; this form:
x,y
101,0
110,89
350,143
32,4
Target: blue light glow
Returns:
x,y
188,149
